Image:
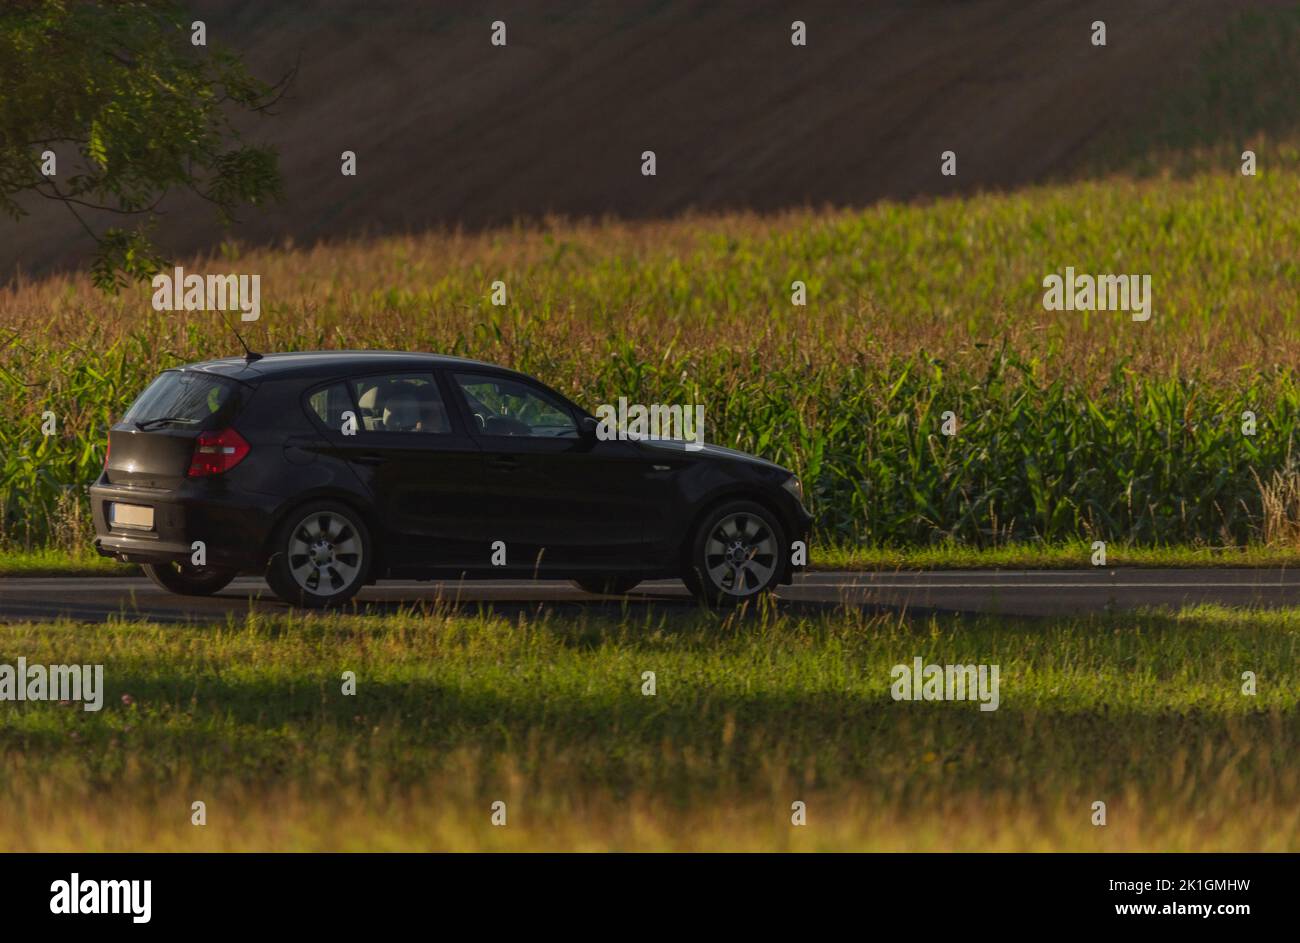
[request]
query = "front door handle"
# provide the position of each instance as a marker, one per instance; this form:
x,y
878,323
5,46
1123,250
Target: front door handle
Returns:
x,y
503,462
369,458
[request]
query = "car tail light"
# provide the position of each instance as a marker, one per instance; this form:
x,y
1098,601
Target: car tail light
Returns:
x,y
217,452
108,447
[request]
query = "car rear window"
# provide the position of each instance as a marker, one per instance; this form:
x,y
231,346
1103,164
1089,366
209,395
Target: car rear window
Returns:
x,y
186,399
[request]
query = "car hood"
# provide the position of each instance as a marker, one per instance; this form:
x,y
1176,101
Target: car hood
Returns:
x,y
708,452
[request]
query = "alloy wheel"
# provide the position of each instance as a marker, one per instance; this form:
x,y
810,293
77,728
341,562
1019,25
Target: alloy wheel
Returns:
x,y
740,554
325,553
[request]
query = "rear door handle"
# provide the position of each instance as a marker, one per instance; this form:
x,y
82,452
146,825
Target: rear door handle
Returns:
x,y
503,462
369,458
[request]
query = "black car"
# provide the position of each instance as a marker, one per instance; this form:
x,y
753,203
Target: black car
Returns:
x,y
326,471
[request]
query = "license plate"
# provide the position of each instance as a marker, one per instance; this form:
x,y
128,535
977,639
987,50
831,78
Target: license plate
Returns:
x,y
132,515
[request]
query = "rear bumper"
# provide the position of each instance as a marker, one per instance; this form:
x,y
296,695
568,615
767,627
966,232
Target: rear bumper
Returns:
x,y
233,527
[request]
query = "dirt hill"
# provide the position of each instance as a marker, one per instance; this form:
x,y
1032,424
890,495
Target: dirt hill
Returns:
x,y
450,130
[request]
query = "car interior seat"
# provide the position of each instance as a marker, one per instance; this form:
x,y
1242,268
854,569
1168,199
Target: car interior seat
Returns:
x,y
371,403
401,413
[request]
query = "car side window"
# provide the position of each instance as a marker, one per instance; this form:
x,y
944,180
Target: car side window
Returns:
x,y
501,406
330,403
408,402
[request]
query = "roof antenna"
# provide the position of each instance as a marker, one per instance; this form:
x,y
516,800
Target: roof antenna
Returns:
x,y
250,355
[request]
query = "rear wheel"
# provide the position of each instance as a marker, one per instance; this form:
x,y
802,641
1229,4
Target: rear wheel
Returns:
x,y
738,553
319,555
606,585
187,579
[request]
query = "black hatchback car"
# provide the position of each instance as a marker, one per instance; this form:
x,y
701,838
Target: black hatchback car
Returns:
x,y
325,471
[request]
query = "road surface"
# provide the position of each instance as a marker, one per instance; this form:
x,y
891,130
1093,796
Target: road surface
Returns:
x,y
1012,593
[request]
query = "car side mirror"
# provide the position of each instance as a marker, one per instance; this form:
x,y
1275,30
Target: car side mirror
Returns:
x,y
587,427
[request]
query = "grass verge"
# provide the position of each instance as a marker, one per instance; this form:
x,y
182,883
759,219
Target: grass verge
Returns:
x,y
454,712
1045,556
18,563
943,556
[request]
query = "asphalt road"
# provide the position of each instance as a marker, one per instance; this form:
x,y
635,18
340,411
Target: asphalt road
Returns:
x,y
1023,593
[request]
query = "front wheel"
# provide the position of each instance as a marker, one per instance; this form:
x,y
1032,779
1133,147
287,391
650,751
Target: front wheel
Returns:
x,y
187,579
738,553
319,555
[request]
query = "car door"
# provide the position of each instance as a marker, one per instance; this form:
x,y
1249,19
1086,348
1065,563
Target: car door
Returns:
x,y
416,458
561,503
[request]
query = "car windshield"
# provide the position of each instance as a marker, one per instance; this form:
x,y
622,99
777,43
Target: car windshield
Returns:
x,y
185,399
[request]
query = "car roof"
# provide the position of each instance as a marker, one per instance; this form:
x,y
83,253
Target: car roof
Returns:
x,y
327,363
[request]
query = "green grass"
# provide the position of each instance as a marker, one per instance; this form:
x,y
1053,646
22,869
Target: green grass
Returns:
x,y
52,562
1029,556
945,556
454,711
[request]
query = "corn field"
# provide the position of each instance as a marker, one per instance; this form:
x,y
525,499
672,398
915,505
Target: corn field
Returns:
x,y
1068,425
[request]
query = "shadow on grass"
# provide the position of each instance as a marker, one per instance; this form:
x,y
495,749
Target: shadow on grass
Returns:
x,y
402,731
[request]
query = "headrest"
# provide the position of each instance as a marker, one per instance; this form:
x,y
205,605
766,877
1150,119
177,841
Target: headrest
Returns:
x,y
401,411
370,398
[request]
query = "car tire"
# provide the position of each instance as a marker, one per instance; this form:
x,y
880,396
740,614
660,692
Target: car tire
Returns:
x,y
607,585
186,579
737,554
320,555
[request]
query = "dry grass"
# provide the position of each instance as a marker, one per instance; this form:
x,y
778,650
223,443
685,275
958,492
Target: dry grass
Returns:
x,y
443,818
